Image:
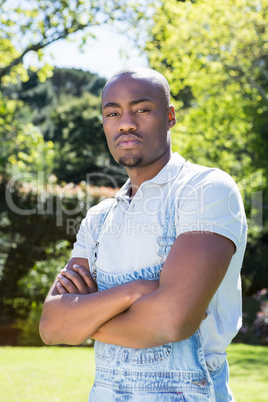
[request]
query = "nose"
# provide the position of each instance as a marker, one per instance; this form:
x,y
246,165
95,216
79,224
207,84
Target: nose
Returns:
x,y
127,123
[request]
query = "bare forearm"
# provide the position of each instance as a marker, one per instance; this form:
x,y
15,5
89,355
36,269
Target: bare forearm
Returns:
x,y
73,318
128,329
149,322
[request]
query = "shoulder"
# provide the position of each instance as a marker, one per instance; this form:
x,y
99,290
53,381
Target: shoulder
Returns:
x,y
196,178
210,200
95,213
101,207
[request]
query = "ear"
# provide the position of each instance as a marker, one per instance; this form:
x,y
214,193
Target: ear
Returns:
x,y
171,117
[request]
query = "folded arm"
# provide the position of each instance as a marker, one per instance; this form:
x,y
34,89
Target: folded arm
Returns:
x,y
139,314
193,271
74,310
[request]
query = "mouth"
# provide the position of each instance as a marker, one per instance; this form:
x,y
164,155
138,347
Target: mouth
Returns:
x,y
128,141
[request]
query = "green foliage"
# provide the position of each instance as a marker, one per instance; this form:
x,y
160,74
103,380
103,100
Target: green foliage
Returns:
x,y
217,65
29,328
75,82
31,26
215,56
7,54
36,283
30,222
38,224
76,129
33,288
69,116
30,153
255,319
254,272
23,148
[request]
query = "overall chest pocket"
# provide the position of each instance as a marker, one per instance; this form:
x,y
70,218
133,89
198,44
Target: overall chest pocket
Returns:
x,y
164,245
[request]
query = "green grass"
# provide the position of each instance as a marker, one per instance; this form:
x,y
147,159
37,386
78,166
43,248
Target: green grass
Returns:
x,y
53,374
248,372
57,374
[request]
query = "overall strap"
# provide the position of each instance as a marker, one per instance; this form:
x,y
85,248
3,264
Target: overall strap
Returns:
x,y
111,203
169,235
169,229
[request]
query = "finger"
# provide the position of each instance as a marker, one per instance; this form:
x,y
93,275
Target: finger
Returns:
x,y
76,279
60,288
85,275
67,284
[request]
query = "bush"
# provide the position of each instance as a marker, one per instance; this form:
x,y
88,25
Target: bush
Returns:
x,y
254,271
34,247
255,319
29,328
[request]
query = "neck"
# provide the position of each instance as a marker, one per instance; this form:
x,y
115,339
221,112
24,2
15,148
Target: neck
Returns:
x,y
141,174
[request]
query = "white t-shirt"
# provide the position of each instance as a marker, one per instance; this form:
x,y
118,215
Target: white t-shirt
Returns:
x,y
206,199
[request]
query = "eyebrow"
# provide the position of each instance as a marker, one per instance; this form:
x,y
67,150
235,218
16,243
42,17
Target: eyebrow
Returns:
x,y
132,103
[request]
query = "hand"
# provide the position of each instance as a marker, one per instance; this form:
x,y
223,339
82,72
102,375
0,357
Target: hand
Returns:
x,y
76,280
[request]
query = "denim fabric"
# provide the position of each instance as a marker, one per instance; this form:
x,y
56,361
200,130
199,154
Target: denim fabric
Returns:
x,y
171,372
220,378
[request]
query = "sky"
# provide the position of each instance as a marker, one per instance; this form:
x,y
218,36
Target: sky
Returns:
x,y
101,56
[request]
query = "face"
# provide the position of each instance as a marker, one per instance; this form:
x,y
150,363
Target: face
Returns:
x,y
136,121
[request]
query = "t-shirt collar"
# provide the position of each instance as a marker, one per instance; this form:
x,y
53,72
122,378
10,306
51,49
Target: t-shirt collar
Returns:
x,y
166,174
170,170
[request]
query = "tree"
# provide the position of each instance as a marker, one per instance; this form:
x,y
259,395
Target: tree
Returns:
x,y
33,25
76,129
215,56
217,64
75,82
66,108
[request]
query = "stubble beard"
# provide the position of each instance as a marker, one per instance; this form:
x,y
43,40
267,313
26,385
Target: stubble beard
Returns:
x,y
130,162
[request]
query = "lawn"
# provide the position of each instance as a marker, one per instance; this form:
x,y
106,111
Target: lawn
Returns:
x,y
58,374
54,374
248,372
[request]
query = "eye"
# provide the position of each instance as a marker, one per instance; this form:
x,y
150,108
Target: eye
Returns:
x,y
113,114
142,110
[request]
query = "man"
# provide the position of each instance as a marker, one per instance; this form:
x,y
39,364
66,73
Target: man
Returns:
x,y
166,255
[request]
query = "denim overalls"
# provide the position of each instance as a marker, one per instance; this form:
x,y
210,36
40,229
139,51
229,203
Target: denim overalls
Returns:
x,y
172,372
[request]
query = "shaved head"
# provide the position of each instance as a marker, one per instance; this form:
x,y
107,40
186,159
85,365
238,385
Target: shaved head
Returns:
x,y
152,76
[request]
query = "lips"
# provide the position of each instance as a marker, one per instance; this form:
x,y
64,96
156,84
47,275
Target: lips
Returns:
x,y
127,141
